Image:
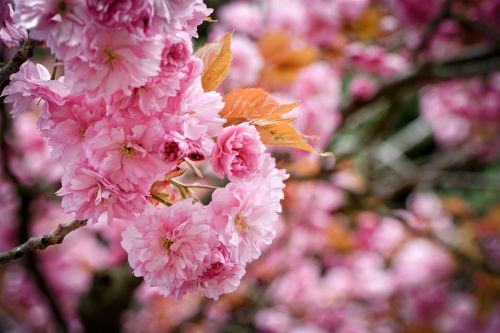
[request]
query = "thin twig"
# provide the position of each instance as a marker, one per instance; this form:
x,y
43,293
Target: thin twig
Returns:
x,y
431,28
477,26
41,242
24,53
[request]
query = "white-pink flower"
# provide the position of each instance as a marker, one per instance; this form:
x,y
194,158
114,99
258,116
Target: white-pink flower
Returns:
x,y
32,82
88,195
221,274
113,60
131,15
58,23
125,150
243,213
10,33
169,246
238,153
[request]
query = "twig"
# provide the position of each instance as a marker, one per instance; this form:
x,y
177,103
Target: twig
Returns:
x,y
431,28
477,26
24,53
41,242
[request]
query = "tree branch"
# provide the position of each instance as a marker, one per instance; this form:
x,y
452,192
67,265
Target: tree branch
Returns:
x,y
24,53
431,27
41,242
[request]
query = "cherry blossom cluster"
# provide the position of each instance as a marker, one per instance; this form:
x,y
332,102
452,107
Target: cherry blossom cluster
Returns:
x,y
128,112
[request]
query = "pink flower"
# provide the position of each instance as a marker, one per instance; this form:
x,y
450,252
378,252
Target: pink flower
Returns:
x,y
244,17
421,263
174,148
112,61
181,14
244,215
318,86
125,150
168,246
362,88
129,14
58,23
67,126
32,82
413,12
222,273
239,153
10,33
89,195
246,63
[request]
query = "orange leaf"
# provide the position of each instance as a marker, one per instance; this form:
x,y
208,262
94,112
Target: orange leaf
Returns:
x,y
216,59
283,58
260,109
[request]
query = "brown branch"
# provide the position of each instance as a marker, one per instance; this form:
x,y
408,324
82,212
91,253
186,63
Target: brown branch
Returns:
x,y
24,53
431,27
41,242
477,26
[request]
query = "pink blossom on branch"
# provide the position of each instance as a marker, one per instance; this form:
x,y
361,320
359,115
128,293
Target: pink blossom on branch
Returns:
x,y
238,153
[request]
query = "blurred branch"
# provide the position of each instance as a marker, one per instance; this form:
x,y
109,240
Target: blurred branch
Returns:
x,y
475,61
41,242
431,28
477,26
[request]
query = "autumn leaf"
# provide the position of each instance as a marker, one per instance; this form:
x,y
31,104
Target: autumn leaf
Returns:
x,y
216,59
283,58
258,108
367,27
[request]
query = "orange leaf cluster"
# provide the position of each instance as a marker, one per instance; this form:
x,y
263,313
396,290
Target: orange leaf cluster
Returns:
x,y
258,108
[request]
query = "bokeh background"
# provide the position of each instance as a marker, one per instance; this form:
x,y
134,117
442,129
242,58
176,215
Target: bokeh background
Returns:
x,y
399,232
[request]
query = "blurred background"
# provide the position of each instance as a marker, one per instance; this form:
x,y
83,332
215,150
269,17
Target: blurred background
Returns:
x,y
399,232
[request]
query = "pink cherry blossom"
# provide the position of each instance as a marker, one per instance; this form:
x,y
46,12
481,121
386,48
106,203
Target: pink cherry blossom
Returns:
x,y
32,82
174,147
58,23
113,61
126,150
222,273
129,14
244,17
246,63
10,33
245,217
168,246
89,195
362,88
238,153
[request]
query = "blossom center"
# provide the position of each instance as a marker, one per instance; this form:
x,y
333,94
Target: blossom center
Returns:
x,y
166,243
111,57
128,151
240,223
62,7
